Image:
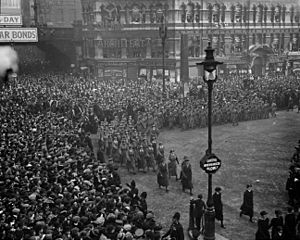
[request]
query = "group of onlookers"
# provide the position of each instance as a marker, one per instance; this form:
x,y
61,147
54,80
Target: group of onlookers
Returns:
x,y
281,227
53,183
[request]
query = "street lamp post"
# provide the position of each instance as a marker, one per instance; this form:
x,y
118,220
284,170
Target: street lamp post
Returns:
x,y
209,77
163,35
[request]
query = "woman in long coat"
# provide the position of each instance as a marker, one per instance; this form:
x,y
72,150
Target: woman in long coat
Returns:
x,y
247,206
262,232
186,175
217,199
163,175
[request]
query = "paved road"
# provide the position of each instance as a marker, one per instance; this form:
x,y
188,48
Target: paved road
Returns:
x,y
256,152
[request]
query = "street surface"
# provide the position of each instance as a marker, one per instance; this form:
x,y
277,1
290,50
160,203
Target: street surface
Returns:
x,y
256,152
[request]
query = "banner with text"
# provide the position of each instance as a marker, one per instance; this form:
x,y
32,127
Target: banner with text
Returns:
x,y
18,35
10,20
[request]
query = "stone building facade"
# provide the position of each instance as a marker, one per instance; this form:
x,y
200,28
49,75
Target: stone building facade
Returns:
x,y
121,38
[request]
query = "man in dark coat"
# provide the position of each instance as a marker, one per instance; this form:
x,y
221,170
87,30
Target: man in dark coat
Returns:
x,y
247,206
289,229
163,175
262,232
276,223
278,235
176,230
199,209
217,199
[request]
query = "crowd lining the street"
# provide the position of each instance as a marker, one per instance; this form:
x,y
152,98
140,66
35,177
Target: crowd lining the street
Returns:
x,y
54,185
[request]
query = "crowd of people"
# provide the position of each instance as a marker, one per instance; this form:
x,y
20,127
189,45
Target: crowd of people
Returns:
x,y
51,185
293,181
281,227
54,185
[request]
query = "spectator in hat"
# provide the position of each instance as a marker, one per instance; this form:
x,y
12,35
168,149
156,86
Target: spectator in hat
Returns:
x,y
278,234
276,222
262,232
218,205
186,175
157,232
199,208
289,228
176,230
162,175
247,205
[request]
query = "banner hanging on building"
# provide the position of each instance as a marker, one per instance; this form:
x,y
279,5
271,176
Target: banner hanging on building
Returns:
x,y
10,20
18,35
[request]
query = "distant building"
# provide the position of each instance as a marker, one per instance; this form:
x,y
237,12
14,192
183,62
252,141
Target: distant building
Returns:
x,y
121,38
57,13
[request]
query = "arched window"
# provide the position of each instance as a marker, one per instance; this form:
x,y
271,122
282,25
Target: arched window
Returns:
x,y
238,13
254,9
292,11
283,13
116,14
183,12
135,14
166,9
159,13
277,13
216,13
109,13
143,13
246,13
223,13
190,12
197,12
260,13
210,12
152,14
265,13
232,13
272,13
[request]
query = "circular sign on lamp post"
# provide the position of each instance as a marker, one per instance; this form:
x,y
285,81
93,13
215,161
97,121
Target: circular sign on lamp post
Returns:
x,y
210,163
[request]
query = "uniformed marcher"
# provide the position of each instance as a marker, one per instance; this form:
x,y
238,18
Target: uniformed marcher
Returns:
x,y
172,165
141,159
160,153
175,231
130,163
150,157
123,149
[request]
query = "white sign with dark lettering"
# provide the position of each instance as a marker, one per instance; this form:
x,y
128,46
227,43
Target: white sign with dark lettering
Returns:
x,y
18,35
10,20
